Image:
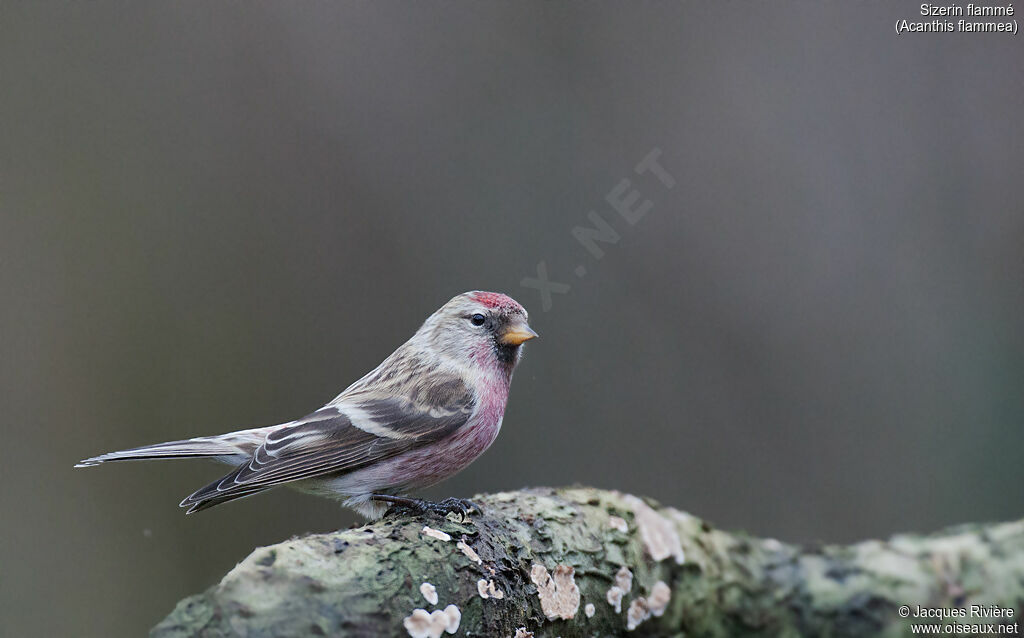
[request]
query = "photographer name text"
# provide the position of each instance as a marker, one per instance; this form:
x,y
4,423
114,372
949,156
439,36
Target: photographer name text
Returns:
x,y
971,611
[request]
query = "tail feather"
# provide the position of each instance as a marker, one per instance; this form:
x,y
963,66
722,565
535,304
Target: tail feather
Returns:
x,y
234,446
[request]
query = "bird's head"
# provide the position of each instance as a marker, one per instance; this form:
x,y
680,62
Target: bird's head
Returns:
x,y
482,327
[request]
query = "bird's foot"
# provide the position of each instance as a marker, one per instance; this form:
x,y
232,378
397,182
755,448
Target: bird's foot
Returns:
x,y
404,505
461,505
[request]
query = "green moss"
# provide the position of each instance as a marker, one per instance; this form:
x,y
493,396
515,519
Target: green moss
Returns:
x,y
365,581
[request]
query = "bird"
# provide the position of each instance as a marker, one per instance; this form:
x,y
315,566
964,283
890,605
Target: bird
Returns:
x,y
425,413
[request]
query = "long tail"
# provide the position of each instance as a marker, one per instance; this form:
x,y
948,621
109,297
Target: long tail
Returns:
x,y
233,447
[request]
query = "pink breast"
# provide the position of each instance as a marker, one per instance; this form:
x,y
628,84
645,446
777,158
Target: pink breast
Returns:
x,y
438,461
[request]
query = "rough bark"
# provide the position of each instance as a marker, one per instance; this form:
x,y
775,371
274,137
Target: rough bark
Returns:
x,y
367,581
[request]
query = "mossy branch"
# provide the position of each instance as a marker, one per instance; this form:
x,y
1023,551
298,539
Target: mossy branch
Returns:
x,y
549,561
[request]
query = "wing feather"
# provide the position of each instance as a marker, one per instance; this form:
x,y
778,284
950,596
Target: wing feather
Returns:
x,y
350,433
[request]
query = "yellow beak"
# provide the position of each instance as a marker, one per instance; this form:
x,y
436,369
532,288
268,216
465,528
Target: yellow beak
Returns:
x,y
516,334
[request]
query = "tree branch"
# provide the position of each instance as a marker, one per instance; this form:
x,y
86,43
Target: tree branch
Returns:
x,y
536,560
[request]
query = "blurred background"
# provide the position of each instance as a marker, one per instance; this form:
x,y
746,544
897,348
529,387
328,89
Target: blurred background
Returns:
x,y
216,216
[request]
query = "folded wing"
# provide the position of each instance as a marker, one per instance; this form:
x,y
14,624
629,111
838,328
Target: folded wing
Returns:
x,y
350,433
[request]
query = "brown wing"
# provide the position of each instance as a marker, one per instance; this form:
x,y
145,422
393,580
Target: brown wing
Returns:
x,y
346,435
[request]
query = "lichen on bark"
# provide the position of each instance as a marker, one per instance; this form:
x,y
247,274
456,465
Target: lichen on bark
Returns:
x,y
701,580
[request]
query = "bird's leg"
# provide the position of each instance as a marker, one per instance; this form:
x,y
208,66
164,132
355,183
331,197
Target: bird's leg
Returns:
x,y
400,504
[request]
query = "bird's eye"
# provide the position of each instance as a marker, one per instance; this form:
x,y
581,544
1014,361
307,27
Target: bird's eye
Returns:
x,y
478,319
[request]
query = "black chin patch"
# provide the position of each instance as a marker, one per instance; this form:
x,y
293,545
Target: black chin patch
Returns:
x,y
506,352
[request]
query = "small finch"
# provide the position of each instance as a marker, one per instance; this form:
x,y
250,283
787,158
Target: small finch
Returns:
x,y
422,415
